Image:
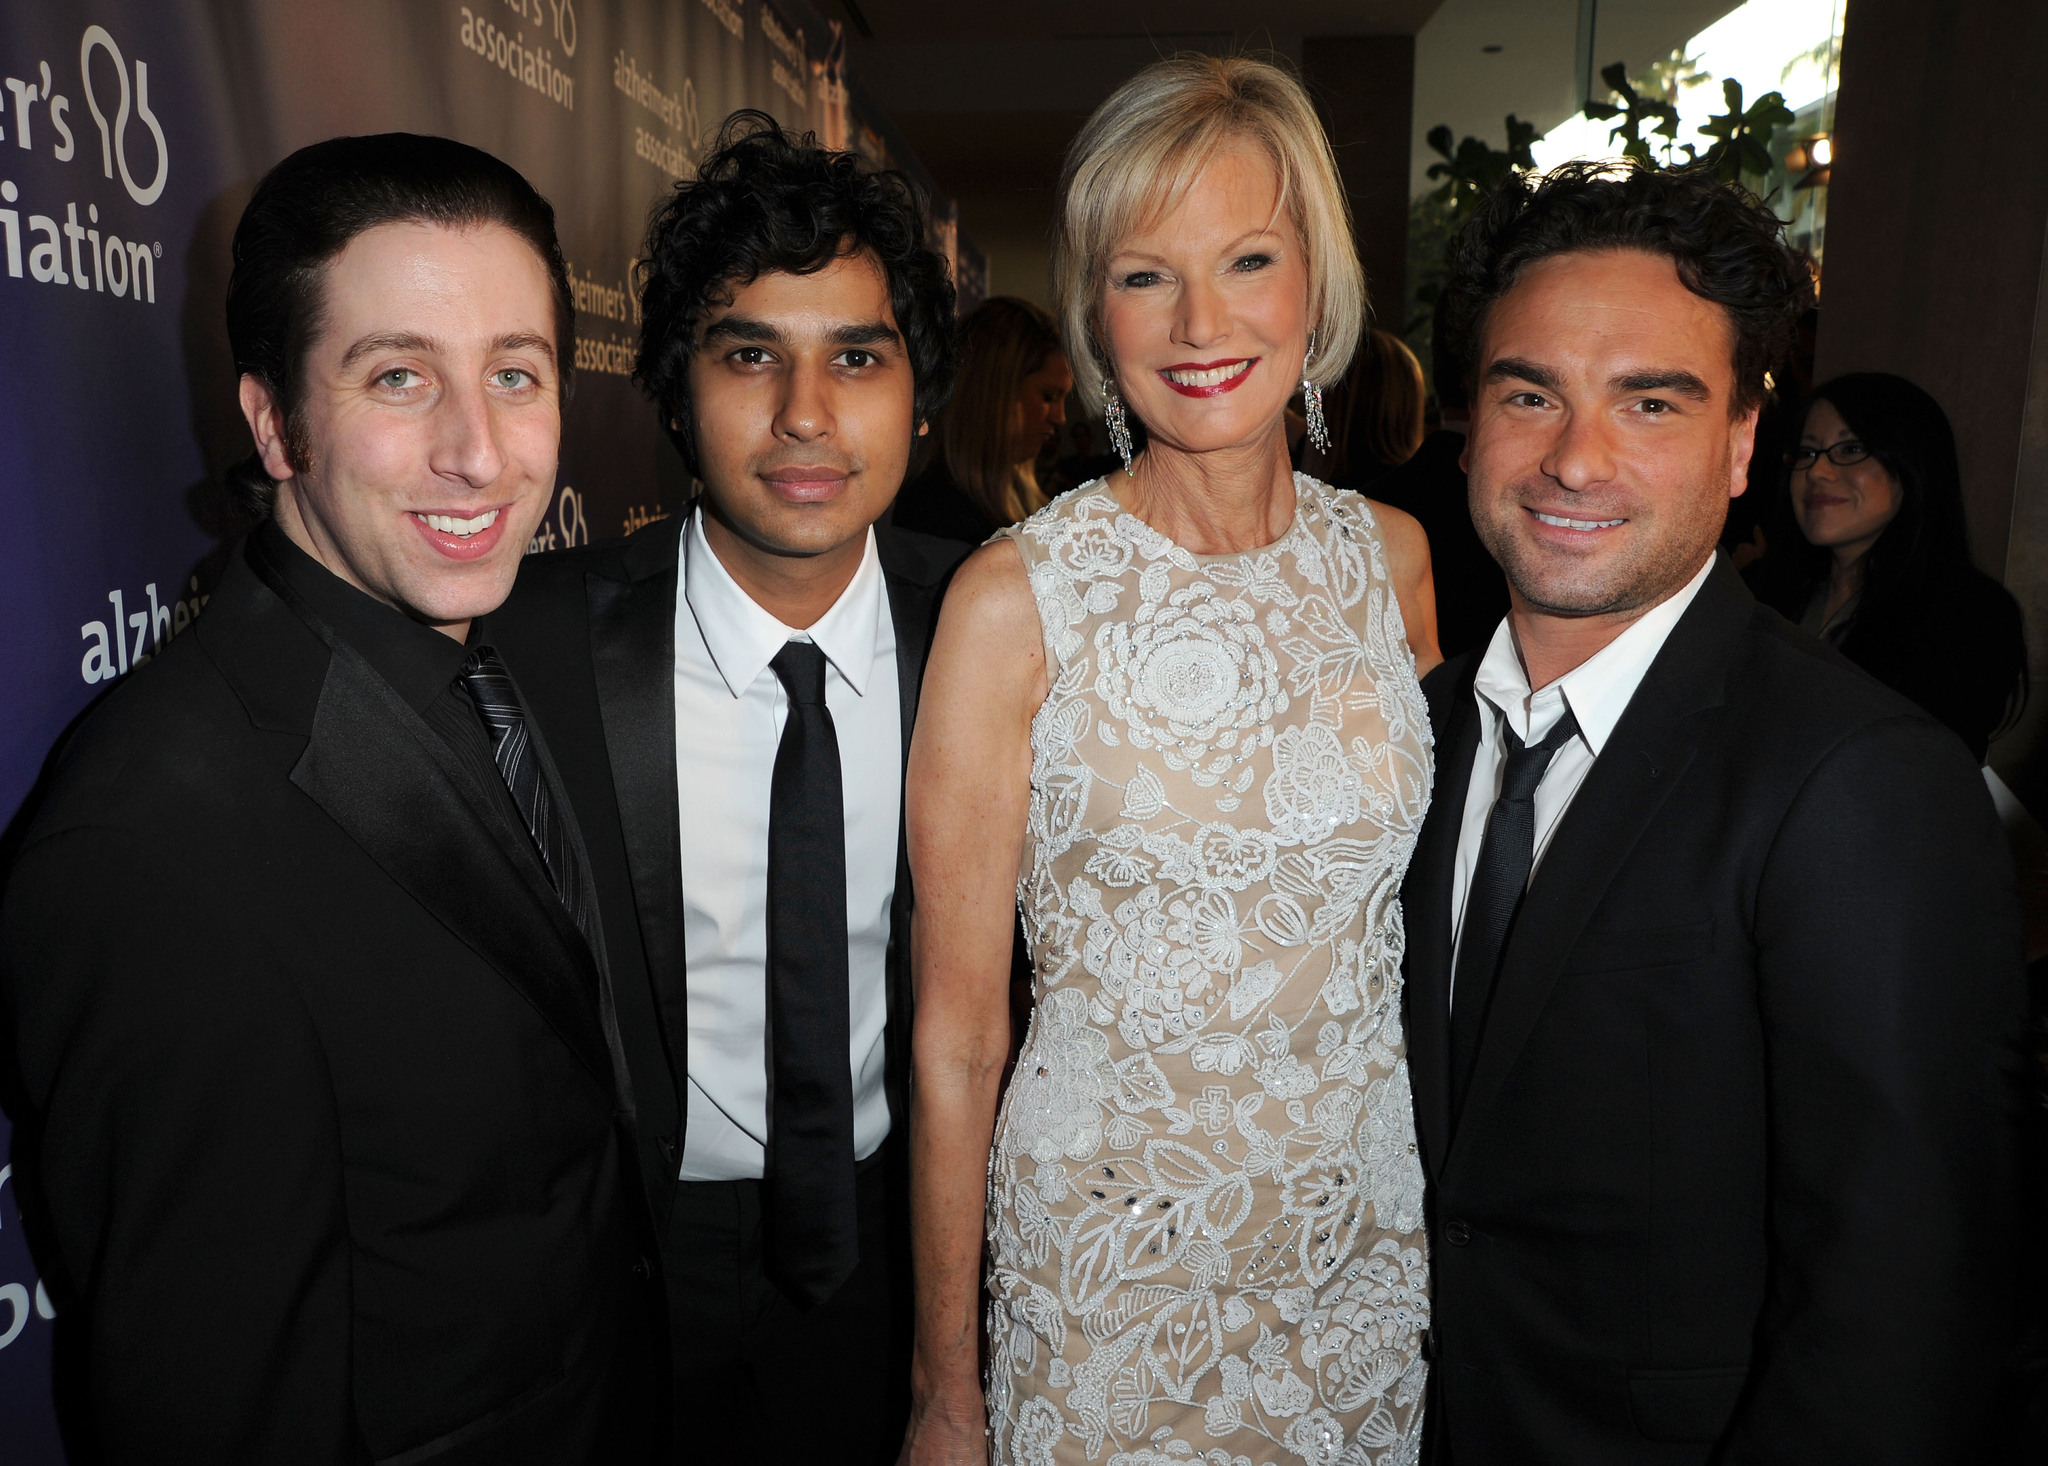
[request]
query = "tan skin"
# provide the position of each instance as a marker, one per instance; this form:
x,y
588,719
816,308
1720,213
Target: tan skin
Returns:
x,y
431,391
1845,509
1606,399
1220,275
803,401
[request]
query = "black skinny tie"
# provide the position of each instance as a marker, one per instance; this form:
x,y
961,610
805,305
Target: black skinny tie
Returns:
x,y
813,1233
1498,883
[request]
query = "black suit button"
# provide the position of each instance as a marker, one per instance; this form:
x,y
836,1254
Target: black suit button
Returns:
x,y
642,1268
667,1146
1457,1234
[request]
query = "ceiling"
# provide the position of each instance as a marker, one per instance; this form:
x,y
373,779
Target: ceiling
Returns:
x,y
990,94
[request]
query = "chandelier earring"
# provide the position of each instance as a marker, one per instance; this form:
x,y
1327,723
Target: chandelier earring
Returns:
x,y
1119,428
1312,402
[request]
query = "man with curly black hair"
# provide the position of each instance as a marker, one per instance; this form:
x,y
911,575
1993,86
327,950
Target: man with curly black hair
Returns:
x,y
1714,952
730,695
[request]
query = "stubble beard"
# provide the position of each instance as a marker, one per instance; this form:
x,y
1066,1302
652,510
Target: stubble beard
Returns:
x,y
1660,553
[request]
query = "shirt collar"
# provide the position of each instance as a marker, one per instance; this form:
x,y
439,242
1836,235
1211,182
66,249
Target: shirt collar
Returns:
x,y
743,638
418,661
1598,690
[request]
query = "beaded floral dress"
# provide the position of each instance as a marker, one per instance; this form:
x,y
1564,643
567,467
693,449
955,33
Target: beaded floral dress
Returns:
x,y
1205,1202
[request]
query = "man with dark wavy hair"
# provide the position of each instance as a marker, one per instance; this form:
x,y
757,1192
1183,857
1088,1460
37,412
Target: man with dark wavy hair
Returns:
x,y
730,694
1714,953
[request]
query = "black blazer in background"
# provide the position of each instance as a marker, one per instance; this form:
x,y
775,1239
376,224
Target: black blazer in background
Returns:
x,y
1733,1180
323,1115
590,635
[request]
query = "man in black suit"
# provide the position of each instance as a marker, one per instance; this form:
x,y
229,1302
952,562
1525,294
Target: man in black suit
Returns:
x,y
730,693
326,1118
1716,1106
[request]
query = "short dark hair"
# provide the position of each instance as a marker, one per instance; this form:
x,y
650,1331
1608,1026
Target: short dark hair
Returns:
x,y
304,214
767,201
1728,246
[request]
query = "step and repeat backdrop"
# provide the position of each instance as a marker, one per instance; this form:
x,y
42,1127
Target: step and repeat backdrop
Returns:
x,y
131,134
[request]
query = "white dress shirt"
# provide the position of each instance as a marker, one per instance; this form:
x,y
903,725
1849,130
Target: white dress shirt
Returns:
x,y
1597,691
730,708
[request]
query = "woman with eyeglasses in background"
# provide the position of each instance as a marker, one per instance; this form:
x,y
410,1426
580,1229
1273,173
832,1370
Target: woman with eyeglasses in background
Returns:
x,y
1884,572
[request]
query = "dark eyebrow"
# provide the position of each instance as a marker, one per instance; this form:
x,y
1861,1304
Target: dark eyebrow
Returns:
x,y
1518,369
524,341
866,333
1684,384
741,328
393,341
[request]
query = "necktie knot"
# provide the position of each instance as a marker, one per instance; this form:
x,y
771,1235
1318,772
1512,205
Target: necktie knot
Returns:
x,y
490,688
1526,764
801,666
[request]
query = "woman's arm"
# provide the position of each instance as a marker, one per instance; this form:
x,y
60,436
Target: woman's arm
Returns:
x,y
1414,583
968,793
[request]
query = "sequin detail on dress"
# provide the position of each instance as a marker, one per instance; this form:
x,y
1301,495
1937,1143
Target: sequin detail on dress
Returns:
x,y
1205,1201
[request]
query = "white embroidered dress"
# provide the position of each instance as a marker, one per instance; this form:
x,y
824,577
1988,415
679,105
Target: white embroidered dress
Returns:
x,y
1205,1202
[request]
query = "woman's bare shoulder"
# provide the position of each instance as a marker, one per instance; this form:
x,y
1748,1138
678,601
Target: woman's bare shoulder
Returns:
x,y
1407,543
991,591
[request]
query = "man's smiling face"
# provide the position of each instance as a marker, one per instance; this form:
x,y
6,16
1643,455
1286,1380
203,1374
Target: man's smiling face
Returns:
x,y
1604,446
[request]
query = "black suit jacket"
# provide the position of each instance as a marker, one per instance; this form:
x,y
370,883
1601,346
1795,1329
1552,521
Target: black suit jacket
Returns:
x,y
1733,1178
590,634
323,1115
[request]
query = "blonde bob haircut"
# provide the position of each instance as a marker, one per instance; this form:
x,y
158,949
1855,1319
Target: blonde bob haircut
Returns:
x,y
1145,146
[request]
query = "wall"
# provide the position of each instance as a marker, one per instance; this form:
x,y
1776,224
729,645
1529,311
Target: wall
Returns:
x,y
1365,88
1936,211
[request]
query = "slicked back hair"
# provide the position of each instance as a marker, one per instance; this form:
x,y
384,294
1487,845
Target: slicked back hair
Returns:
x,y
1727,246
766,201
304,214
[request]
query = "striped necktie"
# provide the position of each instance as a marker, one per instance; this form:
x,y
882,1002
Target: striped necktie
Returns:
x,y
491,688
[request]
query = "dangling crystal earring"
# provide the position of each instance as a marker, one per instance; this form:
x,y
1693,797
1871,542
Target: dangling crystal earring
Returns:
x,y
1312,402
1119,430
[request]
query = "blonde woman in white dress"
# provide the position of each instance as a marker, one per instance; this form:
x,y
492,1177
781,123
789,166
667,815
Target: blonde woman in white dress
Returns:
x,y
1175,715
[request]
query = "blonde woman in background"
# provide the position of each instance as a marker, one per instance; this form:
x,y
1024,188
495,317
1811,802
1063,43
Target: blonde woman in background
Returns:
x,y
1010,401
1182,702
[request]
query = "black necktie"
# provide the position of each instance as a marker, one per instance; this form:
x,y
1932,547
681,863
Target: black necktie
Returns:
x,y
813,1233
1498,884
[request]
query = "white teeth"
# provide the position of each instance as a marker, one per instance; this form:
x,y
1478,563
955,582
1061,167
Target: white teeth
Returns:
x,y
1562,523
449,524
1211,377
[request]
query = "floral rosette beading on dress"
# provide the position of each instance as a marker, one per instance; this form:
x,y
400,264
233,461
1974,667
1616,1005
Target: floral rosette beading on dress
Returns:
x,y
1205,1201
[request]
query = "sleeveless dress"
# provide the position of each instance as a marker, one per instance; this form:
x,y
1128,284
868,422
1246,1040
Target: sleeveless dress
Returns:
x,y
1205,1201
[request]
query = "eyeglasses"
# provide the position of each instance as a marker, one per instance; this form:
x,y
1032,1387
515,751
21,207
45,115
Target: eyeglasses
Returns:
x,y
1844,454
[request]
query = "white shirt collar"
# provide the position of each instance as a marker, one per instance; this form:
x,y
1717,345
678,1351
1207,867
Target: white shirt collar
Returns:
x,y
743,638
1598,690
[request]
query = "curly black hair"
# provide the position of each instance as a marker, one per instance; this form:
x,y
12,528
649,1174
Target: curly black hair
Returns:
x,y
1728,246
762,201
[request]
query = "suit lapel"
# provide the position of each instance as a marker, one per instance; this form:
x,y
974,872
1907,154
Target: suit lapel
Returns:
x,y
1426,909
1644,760
915,581
389,781
632,604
